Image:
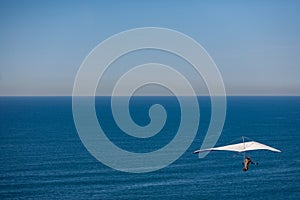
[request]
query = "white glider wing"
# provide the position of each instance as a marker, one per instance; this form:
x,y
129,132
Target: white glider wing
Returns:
x,y
240,147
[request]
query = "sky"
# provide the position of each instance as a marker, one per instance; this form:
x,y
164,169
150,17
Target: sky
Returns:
x,y
255,44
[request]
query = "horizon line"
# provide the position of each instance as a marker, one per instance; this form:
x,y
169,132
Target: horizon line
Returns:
x,y
229,95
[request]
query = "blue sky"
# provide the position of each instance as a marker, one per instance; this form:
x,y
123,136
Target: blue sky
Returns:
x,y
255,44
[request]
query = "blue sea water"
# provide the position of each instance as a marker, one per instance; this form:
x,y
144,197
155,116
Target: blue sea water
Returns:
x,y
42,156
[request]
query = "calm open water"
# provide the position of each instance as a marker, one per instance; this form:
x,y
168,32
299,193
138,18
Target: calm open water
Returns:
x,y
42,156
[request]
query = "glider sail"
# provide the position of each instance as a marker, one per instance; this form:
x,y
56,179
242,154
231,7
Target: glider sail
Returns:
x,y
240,147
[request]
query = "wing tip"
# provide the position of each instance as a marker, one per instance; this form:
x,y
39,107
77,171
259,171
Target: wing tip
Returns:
x,y
196,152
201,151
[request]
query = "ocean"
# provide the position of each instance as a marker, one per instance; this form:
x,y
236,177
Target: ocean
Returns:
x,y
42,156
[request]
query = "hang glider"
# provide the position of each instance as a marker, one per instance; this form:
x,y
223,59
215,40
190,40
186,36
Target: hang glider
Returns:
x,y
240,147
